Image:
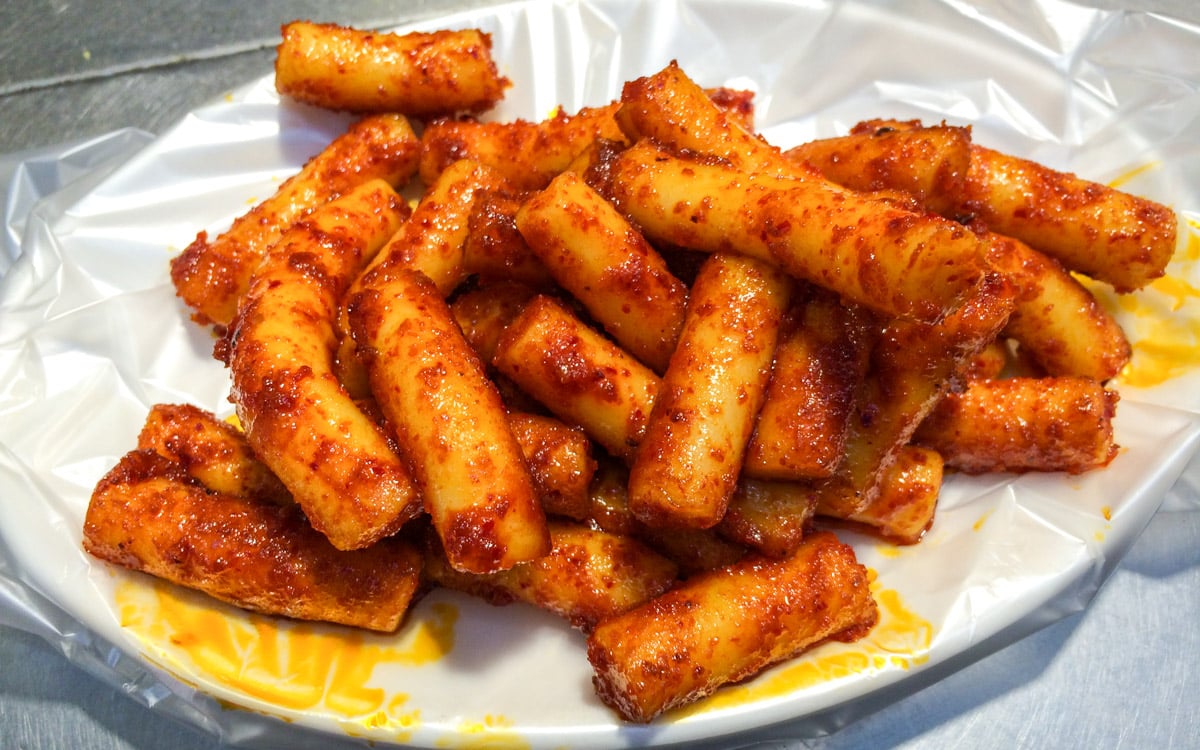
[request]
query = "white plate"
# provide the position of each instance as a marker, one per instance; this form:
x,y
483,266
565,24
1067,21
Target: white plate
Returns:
x,y
91,335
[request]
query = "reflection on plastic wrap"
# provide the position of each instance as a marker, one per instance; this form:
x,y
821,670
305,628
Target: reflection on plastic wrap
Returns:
x,y
91,335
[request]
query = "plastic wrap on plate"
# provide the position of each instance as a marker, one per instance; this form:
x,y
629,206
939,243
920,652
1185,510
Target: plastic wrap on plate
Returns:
x,y
91,335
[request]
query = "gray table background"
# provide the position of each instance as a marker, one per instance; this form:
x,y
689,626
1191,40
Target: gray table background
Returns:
x,y
1123,674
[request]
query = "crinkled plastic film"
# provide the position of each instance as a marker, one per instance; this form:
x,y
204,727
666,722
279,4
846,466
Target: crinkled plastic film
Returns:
x,y
91,335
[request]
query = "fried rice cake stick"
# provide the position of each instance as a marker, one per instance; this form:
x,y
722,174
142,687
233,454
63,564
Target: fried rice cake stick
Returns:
x,y
450,423
593,252
148,514
873,252
213,451
211,276
689,460
588,575
1105,233
527,154
298,418
419,74
579,374
929,163
729,624
1024,424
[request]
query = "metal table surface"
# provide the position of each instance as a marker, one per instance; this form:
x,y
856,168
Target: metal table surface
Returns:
x,y
1123,673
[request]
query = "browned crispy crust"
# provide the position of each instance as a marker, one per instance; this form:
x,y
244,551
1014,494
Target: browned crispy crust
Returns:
x,y
820,361
693,550
148,514
912,366
483,313
903,508
930,163
527,154
560,460
588,575
769,516
494,249
214,452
